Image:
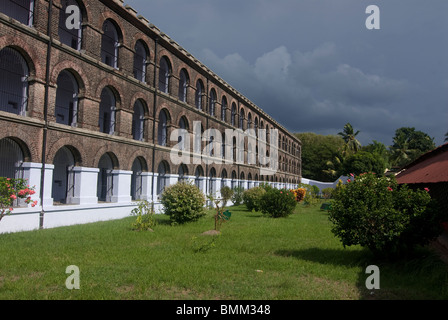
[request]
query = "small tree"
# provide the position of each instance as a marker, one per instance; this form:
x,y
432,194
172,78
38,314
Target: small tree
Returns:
x,y
10,191
145,216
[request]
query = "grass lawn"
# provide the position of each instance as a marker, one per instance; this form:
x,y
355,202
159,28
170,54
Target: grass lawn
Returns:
x,y
255,257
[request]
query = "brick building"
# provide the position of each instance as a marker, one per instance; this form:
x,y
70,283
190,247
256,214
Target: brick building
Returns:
x,y
88,106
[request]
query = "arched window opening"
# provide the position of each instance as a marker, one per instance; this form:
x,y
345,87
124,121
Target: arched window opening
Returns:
x,y
198,181
138,121
66,108
106,120
21,10
198,95
224,109
105,182
14,75
233,115
164,75
181,139
138,167
212,185
183,85
162,180
234,179
11,159
212,102
70,30
140,61
182,172
109,44
242,119
63,178
162,133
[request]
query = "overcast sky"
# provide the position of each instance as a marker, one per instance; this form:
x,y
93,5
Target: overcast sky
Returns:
x,y
314,66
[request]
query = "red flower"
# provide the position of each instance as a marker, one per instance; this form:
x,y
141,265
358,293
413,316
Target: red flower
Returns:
x,y
390,189
426,189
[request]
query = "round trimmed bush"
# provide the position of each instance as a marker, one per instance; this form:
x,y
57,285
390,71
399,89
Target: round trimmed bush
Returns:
x,y
278,202
183,202
252,198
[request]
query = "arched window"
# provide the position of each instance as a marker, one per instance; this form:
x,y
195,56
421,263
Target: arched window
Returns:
x,y
106,119
162,180
242,179
105,185
63,178
109,44
234,179
223,177
181,139
212,102
164,75
249,121
140,60
198,95
21,10
233,115
11,159
224,108
66,108
182,172
223,145
138,167
162,133
14,75
212,185
256,126
70,31
199,173
242,119
138,121
183,85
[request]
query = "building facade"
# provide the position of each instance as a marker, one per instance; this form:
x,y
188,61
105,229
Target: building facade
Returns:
x,y
90,96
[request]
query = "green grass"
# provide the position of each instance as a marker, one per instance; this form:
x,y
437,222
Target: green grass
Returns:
x,y
255,257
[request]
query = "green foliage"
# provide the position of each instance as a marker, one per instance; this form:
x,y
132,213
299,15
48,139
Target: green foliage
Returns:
x,y
237,196
327,193
278,202
317,151
226,193
389,219
311,195
145,216
183,202
408,145
364,161
252,197
11,190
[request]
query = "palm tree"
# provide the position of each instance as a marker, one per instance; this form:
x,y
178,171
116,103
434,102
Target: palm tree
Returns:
x,y
349,136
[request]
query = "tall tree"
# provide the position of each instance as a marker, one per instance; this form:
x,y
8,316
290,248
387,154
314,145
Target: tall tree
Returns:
x,y
317,150
408,145
352,145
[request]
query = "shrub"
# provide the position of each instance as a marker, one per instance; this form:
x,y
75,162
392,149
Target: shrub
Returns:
x,y
252,198
183,202
278,203
145,216
237,197
327,193
377,213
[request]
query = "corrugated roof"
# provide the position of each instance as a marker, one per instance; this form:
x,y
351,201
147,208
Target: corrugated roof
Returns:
x,y
432,167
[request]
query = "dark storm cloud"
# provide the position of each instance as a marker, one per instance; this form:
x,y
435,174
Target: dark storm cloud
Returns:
x,y
314,66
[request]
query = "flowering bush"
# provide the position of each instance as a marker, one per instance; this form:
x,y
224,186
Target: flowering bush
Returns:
x,y
278,202
299,193
11,190
386,217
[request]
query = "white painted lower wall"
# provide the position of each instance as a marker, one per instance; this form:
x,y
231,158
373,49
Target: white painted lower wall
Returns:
x,y
84,206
